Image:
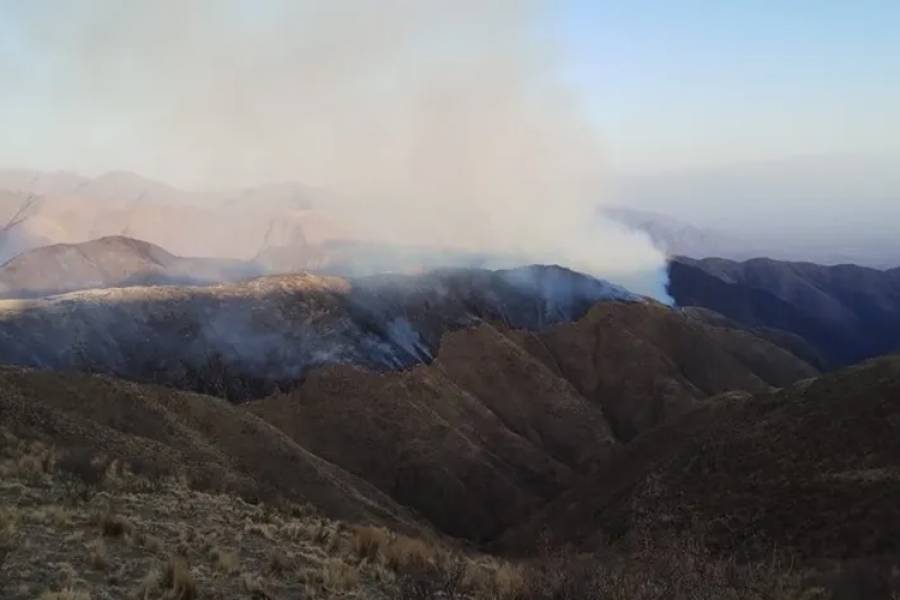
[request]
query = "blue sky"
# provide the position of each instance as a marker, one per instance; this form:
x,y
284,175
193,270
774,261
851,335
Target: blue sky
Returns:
x,y
694,83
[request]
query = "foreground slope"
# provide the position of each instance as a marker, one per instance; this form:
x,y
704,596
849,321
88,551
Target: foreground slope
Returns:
x,y
811,469
204,439
848,313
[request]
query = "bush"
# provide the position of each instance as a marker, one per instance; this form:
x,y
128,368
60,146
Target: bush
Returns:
x,y
150,470
83,469
113,526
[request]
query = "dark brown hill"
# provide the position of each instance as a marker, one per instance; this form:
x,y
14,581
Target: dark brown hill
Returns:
x,y
208,440
643,363
502,420
475,445
811,469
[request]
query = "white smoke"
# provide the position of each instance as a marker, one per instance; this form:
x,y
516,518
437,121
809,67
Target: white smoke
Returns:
x,y
431,122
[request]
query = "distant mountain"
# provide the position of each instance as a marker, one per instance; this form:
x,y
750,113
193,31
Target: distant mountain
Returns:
x,y
39,209
847,313
822,209
109,262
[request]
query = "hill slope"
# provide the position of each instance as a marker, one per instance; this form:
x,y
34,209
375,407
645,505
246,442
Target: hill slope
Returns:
x,y
206,439
248,339
109,262
504,420
847,313
811,469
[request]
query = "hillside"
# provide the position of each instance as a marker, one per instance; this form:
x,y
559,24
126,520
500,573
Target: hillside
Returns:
x,y
86,524
206,440
810,469
471,397
248,339
125,483
847,313
79,526
503,420
109,262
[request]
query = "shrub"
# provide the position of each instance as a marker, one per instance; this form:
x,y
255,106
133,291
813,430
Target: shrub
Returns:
x,y
84,470
113,526
150,470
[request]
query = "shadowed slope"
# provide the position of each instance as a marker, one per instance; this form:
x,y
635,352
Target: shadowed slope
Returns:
x,y
645,362
811,469
204,438
848,313
504,420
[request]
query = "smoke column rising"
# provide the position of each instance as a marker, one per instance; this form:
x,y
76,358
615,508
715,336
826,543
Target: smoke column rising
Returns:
x,y
430,122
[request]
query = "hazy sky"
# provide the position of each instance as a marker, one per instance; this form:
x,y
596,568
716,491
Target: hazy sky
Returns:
x,y
667,83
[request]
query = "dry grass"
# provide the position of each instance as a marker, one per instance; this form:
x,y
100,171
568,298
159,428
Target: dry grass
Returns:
x,y
30,461
225,561
284,551
339,576
177,580
8,522
405,554
509,582
66,594
254,585
98,557
368,541
397,552
279,562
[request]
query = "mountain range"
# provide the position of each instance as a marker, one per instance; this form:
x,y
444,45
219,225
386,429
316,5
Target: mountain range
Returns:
x,y
540,425
846,313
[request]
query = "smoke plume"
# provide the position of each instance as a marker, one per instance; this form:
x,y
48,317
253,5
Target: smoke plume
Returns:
x,y
432,123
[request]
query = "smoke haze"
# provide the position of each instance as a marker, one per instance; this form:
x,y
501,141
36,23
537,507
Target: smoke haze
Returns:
x,y
428,123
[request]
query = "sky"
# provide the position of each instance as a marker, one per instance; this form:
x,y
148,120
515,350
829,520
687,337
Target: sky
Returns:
x,y
668,84
690,83
747,115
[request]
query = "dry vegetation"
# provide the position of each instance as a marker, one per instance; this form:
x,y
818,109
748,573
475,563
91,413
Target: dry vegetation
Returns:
x,y
75,526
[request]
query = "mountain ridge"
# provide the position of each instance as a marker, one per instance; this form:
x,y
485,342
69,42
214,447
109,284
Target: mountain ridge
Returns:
x,y
847,312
